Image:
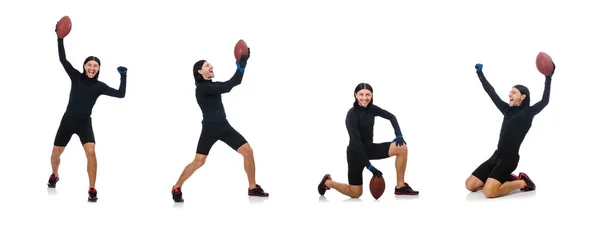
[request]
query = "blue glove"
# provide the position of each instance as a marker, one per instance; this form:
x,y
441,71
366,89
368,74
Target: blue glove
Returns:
x,y
122,70
399,141
479,67
241,65
375,171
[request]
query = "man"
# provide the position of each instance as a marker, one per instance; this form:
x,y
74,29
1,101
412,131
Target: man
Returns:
x,y
215,125
360,121
494,175
85,90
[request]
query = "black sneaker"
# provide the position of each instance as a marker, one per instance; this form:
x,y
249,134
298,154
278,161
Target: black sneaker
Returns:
x,y
177,194
52,181
322,187
258,191
530,185
92,195
405,190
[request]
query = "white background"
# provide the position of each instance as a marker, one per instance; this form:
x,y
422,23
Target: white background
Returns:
x,y
307,57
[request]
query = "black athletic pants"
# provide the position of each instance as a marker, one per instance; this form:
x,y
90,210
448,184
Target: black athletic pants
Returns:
x,y
69,126
355,167
498,166
215,131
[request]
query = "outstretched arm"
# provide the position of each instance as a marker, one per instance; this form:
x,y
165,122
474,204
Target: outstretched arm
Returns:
x,y
72,72
501,105
209,88
355,139
389,116
537,107
109,91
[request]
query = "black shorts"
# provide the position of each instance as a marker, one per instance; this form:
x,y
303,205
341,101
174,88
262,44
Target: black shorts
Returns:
x,y
69,126
355,167
498,167
214,131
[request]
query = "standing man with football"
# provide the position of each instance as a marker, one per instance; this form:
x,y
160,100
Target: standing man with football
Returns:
x,y
85,90
215,125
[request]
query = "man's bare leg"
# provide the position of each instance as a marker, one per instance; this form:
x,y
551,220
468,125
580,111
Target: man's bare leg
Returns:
x,y
187,172
55,162
254,189
352,191
493,188
401,153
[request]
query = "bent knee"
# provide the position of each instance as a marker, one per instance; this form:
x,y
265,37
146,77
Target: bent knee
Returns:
x,y
398,150
491,187
490,192
471,187
355,191
402,150
246,150
199,160
89,149
355,195
473,184
90,153
57,151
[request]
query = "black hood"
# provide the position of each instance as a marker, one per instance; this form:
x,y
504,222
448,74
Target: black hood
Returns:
x,y
359,87
91,58
197,77
524,91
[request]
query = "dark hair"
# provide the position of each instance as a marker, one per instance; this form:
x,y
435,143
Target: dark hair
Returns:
x,y
359,87
198,65
524,91
92,58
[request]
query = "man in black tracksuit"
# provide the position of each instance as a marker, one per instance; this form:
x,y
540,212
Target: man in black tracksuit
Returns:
x,y
85,90
360,121
495,176
215,126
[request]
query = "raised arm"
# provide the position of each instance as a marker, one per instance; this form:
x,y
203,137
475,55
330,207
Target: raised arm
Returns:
x,y
71,71
537,107
355,138
389,116
109,91
210,88
501,105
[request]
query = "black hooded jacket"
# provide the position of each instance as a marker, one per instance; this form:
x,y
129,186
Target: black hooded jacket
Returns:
x,y
360,122
84,90
517,120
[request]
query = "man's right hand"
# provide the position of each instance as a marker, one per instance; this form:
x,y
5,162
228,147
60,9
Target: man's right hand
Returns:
x,y
56,30
375,171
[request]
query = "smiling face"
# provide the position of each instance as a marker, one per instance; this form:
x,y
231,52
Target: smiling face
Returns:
x,y
91,68
206,71
364,97
515,97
